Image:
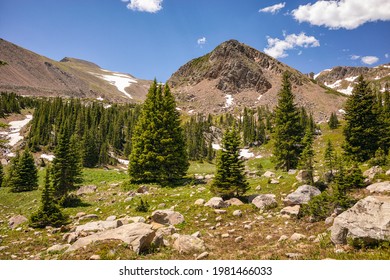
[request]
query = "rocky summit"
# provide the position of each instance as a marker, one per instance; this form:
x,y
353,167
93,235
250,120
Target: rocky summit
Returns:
x,y
236,75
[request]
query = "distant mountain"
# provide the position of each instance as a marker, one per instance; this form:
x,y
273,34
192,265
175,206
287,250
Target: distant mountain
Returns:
x,y
342,78
235,75
28,73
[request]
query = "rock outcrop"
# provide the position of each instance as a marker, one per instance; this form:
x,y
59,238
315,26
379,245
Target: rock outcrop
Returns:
x,y
265,201
301,196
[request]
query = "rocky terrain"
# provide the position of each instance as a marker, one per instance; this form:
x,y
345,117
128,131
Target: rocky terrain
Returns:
x,y
342,78
28,73
235,75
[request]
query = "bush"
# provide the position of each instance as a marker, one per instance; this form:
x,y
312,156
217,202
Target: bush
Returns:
x,y
70,201
142,206
319,207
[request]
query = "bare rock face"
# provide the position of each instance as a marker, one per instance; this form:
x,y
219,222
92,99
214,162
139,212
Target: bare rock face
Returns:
x,y
303,175
265,201
291,210
382,187
189,244
99,226
302,195
167,217
368,220
217,202
138,235
370,173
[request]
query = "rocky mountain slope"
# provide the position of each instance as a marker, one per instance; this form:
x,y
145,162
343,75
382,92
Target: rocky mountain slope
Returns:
x,y
342,78
28,73
235,75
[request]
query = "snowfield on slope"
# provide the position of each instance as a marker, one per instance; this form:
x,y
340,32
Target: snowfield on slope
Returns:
x,y
13,135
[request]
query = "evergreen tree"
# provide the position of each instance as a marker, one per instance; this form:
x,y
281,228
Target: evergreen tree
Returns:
x,y
25,176
333,122
158,152
230,179
49,214
288,131
66,170
362,127
329,157
307,156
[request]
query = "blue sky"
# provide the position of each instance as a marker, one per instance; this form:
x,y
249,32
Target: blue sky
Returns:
x,y
153,38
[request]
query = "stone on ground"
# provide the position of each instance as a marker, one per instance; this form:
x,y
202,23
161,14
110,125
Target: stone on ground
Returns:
x,y
302,195
167,217
265,201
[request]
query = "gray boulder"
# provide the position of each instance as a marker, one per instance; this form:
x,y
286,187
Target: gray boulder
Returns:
x,y
217,202
167,217
17,220
370,173
99,226
235,201
382,187
57,248
265,201
291,210
189,244
269,174
302,176
86,190
368,220
301,196
199,201
138,235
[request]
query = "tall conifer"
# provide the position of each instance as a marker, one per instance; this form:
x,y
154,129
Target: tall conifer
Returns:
x,y
288,130
25,176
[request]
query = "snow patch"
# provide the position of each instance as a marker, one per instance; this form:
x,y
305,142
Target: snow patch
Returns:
x,y
334,85
229,100
258,98
123,161
178,109
121,81
386,66
48,157
351,79
13,135
342,111
377,78
246,154
99,98
216,146
347,91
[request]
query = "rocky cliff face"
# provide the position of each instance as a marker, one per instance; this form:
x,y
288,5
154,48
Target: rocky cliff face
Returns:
x,y
342,78
28,73
236,75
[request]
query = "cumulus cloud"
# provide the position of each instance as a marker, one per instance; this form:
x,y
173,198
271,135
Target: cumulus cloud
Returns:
x,y
273,9
348,14
150,6
386,55
369,59
202,41
354,57
277,48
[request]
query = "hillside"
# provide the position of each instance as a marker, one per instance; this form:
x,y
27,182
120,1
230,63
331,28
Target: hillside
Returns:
x,y
235,75
28,73
342,78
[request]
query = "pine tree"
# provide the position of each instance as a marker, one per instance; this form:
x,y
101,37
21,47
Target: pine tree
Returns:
x,y
307,156
66,170
25,176
288,131
158,152
333,122
230,179
362,128
49,214
329,157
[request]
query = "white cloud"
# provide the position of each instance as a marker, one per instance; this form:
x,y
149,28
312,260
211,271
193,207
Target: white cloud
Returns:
x,y
273,9
202,41
277,48
369,59
348,14
386,55
354,57
150,6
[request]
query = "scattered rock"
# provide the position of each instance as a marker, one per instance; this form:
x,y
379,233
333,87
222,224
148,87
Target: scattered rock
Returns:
x,y
218,219
292,172
128,199
370,173
238,239
188,244
283,238
217,202
302,176
294,255
301,196
382,187
237,213
248,226
69,237
297,237
368,220
86,190
2,248
265,201
274,182
161,205
269,174
167,217
138,235
143,189
220,211
111,218
98,226
94,257
329,220
268,237
388,172
235,201
199,201
89,216
258,188
291,210
196,234
225,235
57,248
80,214
202,256
17,220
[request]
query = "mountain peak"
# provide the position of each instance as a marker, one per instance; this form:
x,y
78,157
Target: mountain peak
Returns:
x,y
79,62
